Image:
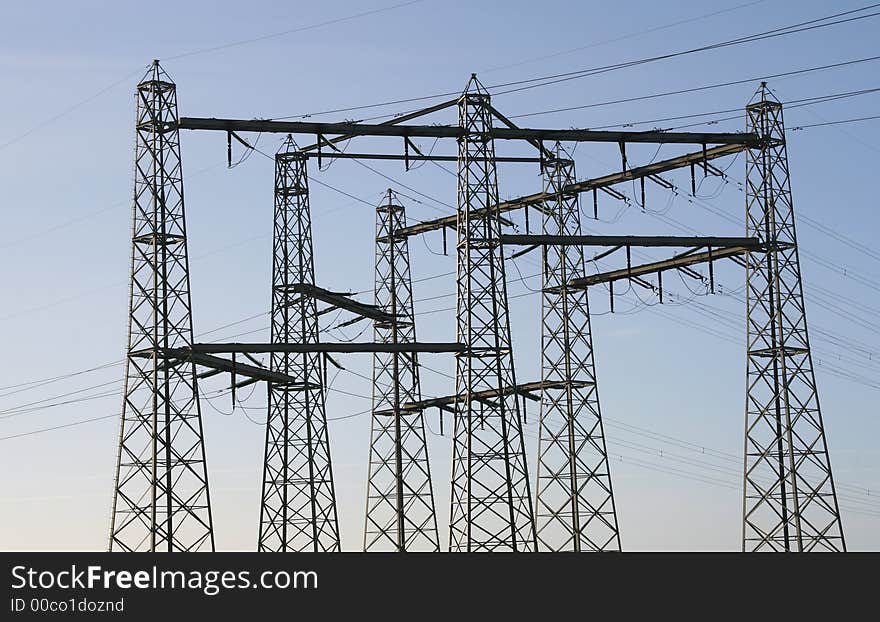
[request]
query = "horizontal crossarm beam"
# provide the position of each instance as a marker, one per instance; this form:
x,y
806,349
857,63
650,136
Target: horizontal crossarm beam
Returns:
x,y
528,389
537,199
342,301
351,130
336,155
680,261
177,356
342,348
652,137
625,240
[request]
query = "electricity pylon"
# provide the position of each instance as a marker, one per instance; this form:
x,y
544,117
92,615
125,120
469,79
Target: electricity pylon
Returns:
x,y
491,502
298,510
400,498
789,500
575,502
161,500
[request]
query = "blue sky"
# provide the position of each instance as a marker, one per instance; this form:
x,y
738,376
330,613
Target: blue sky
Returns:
x,y
671,377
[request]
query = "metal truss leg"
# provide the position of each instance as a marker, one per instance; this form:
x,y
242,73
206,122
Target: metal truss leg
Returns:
x,y
298,511
789,500
575,503
400,499
161,500
491,501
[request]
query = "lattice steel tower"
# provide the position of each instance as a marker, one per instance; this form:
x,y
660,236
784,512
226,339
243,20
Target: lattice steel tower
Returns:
x,y
575,502
400,498
161,500
789,501
491,501
298,510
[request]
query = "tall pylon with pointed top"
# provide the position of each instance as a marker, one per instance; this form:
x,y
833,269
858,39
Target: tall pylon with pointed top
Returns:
x,y
491,499
298,510
789,499
400,497
575,508
161,500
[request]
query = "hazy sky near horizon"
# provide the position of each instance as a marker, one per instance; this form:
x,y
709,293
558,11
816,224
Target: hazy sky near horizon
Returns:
x,y
671,377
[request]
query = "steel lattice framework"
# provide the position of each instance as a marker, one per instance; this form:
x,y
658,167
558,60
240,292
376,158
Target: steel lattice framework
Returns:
x,y
400,497
491,500
575,508
789,500
298,510
161,500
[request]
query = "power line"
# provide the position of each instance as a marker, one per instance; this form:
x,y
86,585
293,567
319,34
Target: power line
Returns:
x,y
57,427
769,34
141,70
98,212
790,104
636,446
869,504
623,37
842,121
547,80
345,193
70,109
289,31
702,88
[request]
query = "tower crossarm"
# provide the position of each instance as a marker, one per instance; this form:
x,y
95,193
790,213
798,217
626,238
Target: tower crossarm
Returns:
x,y
689,258
537,200
324,347
340,300
352,130
626,240
527,389
179,356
